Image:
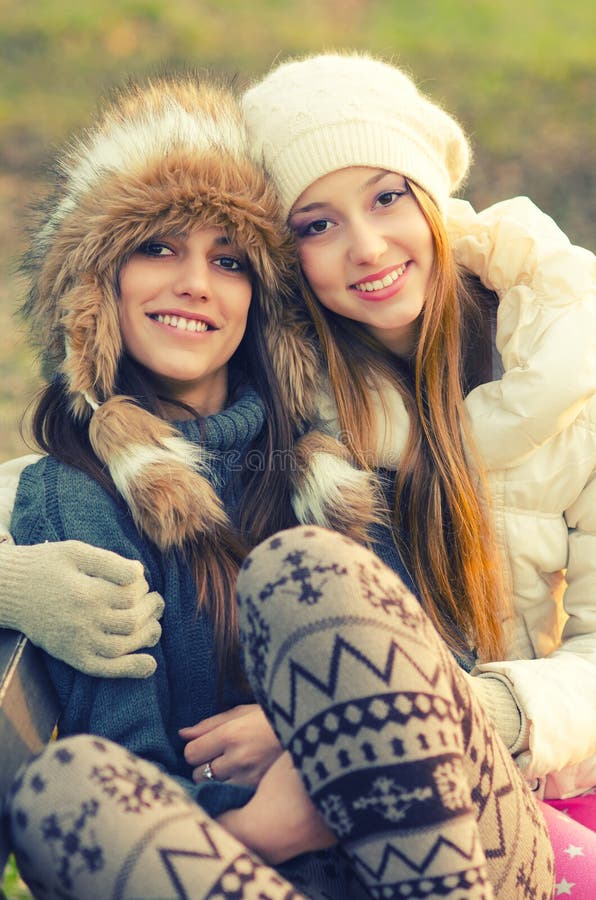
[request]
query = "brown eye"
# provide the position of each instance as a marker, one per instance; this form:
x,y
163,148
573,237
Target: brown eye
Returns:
x,y
389,197
230,264
155,248
320,226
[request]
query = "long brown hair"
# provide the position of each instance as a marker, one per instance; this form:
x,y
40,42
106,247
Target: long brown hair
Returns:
x,y
441,517
265,505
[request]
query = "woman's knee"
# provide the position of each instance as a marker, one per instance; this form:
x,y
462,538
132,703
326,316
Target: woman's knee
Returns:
x,y
308,567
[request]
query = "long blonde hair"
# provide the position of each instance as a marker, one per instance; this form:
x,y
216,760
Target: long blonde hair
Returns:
x,y
441,517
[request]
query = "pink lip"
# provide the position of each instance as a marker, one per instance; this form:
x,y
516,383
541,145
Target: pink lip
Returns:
x,y
382,293
380,275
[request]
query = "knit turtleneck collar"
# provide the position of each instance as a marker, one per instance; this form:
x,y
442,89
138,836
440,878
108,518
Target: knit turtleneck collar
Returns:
x,y
232,428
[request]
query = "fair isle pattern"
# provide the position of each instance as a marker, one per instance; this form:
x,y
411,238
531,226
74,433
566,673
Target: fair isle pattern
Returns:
x,y
122,829
246,877
395,752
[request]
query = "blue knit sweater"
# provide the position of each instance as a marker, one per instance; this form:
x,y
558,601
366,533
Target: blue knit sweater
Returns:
x,y
56,502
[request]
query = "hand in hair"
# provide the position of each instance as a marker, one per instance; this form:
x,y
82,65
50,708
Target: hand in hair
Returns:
x,y
240,744
84,605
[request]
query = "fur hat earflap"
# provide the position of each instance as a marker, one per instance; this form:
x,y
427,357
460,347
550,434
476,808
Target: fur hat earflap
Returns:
x,y
162,158
330,491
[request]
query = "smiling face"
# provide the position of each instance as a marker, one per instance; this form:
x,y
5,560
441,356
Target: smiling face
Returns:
x,y
184,302
366,250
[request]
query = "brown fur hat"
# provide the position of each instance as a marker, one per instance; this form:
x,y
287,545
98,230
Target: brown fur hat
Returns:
x,y
162,157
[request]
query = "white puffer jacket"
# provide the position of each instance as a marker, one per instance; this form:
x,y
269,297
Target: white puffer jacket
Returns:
x,y
536,432
535,428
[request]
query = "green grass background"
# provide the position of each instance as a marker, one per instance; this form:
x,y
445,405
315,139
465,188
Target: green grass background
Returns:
x,y
519,75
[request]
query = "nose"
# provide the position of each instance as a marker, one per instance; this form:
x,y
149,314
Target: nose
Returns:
x,y
367,243
192,278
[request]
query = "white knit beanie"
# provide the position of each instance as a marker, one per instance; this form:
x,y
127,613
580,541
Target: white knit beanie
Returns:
x,y
313,116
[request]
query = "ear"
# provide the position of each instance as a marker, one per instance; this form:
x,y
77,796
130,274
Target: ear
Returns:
x,y
160,475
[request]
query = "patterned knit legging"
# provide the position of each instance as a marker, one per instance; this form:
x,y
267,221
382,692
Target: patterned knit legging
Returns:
x,y
391,745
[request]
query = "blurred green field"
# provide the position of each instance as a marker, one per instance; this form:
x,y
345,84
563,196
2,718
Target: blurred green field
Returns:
x,y
520,76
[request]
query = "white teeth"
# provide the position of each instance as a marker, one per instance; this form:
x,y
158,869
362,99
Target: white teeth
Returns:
x,y
182,324
381,283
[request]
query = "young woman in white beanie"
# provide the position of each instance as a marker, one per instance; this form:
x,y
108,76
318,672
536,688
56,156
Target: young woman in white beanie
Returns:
x,y
466,401
478,405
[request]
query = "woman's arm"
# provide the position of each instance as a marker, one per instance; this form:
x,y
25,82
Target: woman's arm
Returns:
x,y
56,502
535,428
558,692
82,604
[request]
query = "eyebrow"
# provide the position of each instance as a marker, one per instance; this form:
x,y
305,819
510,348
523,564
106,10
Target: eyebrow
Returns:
x,y
321,204
223,240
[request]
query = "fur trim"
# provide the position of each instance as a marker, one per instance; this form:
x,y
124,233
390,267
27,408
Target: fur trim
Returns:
x,y
156,471
330,491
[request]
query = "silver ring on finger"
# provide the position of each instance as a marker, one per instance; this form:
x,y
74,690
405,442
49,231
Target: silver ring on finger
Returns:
x,y
208,772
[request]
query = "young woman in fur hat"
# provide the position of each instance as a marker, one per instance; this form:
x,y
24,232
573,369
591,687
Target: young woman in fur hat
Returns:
x,y
158,293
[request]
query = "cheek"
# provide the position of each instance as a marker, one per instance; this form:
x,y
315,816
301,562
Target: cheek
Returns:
x,y
244,304
237,308
314,271
127,329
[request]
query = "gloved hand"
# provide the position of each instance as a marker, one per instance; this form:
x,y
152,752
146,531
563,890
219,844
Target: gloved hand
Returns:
x,y
86,606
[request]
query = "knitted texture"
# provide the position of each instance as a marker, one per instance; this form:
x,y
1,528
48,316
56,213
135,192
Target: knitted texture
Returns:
x,y
122,828
56,502
391,744
503,709
310,117
83,605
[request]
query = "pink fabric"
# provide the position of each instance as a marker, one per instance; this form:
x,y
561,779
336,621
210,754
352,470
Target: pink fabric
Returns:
x,y
572,827
582,809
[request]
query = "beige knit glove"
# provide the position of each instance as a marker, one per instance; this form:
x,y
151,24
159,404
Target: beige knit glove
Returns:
x,y
86,606
502,708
